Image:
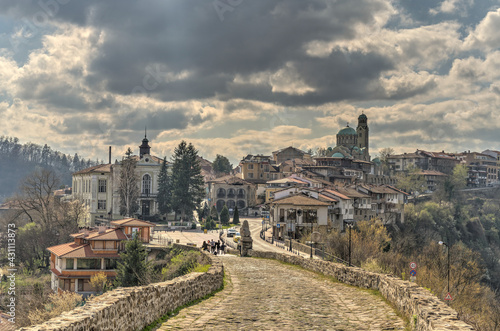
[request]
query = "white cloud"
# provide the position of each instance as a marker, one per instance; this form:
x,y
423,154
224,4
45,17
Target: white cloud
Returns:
x,y
485,36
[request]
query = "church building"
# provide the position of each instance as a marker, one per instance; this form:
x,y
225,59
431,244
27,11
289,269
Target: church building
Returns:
x,y
353,143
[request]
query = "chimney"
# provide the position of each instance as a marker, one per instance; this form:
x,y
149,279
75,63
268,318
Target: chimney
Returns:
x,y
109,154
101,229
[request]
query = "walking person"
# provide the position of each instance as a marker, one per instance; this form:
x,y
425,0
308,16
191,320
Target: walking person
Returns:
x,y
223,248
217,246
212,246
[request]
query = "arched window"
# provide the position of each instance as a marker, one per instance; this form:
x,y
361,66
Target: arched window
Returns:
x,y
221,193
220,205
146,184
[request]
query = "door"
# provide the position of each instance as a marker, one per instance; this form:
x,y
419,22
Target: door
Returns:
x,y
145,207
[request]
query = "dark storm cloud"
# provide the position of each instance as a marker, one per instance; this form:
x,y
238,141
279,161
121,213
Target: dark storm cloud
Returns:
x,y
214,46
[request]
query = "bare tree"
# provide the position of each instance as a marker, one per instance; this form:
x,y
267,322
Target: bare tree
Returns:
x,y
128,187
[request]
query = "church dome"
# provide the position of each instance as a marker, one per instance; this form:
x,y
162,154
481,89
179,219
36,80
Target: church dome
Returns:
x,y
338,154
362,117
348,131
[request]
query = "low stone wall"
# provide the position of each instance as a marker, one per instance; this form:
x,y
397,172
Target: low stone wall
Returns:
x,y
133,308
424,310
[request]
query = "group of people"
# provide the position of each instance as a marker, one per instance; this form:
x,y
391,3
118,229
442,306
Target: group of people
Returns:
x,y
214,247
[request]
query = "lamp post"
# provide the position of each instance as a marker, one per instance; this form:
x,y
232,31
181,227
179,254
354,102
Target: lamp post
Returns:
x,y
349,224
448,247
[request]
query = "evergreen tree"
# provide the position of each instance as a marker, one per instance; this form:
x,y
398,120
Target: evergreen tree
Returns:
x,y
133,268
224,215
164,190
221,165
188,187
128,187
236,216
213,214
76,162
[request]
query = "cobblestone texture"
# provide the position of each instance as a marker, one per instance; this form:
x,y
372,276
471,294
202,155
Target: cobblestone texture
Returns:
x,y
265,294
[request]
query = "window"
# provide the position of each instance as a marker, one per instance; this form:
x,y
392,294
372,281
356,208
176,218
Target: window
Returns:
x,y
102,185
101,204
250,166
110,264
70,263
92,264
146,184
250,175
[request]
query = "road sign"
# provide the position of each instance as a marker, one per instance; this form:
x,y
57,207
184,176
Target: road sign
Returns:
x,y
413,272
413,265
278,225
448,297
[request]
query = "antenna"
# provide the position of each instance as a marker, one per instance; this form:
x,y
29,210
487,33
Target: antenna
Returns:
x,y
145,131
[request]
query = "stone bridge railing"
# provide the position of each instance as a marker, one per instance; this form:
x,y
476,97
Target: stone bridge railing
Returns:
x,y
133,308
423,310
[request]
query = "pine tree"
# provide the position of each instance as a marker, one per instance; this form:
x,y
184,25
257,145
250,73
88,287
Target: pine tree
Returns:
x,y
188,187
133,268
128,187
236,216
221,165
224,215
164,190
213,214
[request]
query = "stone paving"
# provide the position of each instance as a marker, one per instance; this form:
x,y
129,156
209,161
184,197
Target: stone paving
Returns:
x,y
265,294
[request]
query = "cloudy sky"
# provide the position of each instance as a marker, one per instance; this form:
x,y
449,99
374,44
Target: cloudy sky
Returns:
x,y
249,76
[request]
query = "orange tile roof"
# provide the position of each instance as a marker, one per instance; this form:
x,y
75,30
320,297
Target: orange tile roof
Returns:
x,y
300,200
109,234
75,250
131,222
340,195
325,197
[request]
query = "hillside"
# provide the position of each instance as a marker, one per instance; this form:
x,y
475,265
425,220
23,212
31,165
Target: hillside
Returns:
x,y
19,160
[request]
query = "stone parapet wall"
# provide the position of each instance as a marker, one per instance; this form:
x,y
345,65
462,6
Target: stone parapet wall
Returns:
x,y
133,308
423,310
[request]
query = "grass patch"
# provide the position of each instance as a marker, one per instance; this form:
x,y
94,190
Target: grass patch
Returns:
x,y
175,312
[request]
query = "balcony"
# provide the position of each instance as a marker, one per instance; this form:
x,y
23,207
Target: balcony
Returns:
x,y
148,195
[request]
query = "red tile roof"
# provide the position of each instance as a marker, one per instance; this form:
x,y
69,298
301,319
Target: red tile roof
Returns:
x,y
132,222
300,200
97,168
75,250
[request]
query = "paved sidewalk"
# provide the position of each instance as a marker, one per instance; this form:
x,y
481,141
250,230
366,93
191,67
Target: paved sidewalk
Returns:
x,y
268,295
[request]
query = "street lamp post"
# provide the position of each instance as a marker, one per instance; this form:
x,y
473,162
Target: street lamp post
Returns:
x,y
448,248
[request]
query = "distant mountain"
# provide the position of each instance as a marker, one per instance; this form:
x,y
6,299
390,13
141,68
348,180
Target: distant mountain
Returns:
x,y
18,161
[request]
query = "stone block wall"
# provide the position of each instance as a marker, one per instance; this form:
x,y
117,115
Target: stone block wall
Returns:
x,y
133,308
424,310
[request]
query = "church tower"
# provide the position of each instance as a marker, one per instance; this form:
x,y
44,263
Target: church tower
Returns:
x,y
363,136
144,149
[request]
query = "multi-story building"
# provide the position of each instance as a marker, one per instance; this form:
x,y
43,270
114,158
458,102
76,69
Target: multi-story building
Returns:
x,y
93,187
289,153
98,187
93,251
257,169
482,168
232,192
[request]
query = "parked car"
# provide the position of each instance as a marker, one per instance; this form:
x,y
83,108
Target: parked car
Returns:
x,y
237,237
231,232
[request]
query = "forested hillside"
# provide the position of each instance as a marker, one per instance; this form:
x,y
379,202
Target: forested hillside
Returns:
x,y
19,160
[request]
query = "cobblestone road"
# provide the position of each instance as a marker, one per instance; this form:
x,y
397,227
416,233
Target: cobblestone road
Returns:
x,y
268,295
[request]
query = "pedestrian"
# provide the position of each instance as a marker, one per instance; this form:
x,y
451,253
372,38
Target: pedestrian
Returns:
x,y
217,246
204,246
223,248
212,246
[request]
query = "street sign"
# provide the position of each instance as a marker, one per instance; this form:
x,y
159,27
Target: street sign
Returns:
x,y
413,265
413,272
278,225
413,278
448,297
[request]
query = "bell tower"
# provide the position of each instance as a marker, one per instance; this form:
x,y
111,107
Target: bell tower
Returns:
x,y
363,136
144,148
